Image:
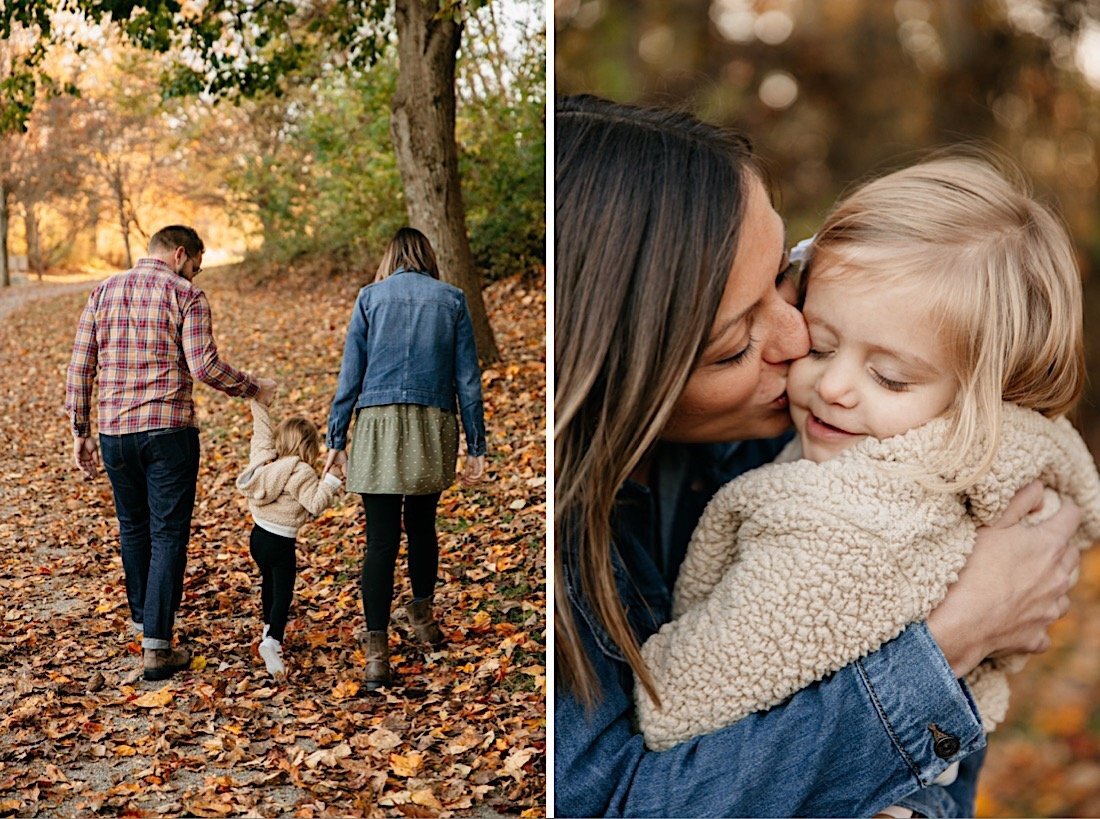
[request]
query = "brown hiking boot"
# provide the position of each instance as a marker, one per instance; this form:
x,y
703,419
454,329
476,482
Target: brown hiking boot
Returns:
x,y
162,663
423,624
378,660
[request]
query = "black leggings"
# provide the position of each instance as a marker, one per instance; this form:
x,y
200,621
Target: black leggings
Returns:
x,y
274,554
383,537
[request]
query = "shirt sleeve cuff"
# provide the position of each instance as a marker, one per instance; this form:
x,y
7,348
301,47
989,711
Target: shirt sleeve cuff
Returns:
x,y
929,715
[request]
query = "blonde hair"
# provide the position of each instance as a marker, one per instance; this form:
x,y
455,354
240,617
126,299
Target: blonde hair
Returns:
x,y
298,436
409,249
1003,281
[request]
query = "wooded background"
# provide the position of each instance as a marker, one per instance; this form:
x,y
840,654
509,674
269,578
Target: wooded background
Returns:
x,y
832,91
284,130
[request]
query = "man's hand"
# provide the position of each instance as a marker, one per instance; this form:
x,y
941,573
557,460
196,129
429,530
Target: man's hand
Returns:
x,y
86,456
267,391
474,470
338,458
1014,585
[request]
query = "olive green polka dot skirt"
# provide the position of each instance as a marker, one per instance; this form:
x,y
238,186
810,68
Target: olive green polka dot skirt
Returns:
x,y
402,449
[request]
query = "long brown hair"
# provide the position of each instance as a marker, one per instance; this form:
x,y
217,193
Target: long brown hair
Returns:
x,y
648,207
409,249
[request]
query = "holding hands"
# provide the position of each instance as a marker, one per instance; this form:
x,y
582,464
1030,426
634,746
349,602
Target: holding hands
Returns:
x,y
268,387
336,463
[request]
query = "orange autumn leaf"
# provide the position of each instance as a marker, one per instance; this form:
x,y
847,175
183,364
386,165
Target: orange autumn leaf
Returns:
x,y
155,699
345,689
408,765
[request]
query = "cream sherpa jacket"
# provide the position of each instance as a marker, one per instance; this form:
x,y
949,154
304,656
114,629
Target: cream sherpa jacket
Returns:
x,y
282,492
798,569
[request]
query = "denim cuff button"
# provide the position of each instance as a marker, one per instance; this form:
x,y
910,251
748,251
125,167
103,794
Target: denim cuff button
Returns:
x,y
944,745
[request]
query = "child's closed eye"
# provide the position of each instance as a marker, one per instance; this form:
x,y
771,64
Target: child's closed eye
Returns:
x,y
891,384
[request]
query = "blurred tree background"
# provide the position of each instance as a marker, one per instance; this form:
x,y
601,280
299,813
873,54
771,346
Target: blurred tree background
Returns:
x,y
834,90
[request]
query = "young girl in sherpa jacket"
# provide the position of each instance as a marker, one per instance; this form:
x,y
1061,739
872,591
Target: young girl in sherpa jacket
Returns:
x,y
283,491
944,312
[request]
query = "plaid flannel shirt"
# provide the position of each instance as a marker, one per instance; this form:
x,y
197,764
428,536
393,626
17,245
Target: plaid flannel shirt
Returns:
x,y
148,331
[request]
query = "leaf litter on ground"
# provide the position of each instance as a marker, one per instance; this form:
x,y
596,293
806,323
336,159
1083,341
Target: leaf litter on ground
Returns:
x,y
463,732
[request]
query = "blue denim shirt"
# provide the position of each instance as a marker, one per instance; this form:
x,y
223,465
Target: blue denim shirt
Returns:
x,y
846,746
410,341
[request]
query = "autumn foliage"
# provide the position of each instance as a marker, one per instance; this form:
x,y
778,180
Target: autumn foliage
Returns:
x,y
1045,759
81,733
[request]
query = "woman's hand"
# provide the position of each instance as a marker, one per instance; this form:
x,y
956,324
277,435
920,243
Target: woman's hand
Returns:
x,y
474,470
337,458
1014,585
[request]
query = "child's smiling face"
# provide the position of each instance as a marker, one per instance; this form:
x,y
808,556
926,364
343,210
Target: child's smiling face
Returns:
x,y
876,365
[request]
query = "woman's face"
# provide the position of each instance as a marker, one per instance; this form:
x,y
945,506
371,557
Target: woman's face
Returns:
x,y
738,390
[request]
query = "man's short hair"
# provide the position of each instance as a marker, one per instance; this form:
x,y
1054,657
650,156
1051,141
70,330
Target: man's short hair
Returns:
x,y
173,236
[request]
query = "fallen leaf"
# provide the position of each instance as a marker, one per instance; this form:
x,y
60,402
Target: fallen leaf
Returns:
x,y
155,699
408,765
346,689
426,798
384,739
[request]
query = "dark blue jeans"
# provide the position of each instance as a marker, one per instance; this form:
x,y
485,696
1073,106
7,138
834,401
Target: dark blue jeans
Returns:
x,y
153,475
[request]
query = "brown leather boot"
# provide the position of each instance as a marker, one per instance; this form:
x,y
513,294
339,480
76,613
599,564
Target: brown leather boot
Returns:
x,y
423,625
378,660
162,663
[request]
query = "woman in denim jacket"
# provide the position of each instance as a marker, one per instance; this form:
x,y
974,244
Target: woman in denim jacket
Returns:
x,y
410,363
674,327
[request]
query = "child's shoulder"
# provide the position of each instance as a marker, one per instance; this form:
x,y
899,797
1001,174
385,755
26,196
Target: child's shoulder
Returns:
x,y
303,469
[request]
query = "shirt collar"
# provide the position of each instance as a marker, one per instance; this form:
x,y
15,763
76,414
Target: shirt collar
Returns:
x,y
149,263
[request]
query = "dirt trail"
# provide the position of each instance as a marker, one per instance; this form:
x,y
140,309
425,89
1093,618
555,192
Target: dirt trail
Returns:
x,y
19,294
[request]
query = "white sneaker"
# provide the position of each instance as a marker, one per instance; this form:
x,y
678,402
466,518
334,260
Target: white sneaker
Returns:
x,y
272,652
267,628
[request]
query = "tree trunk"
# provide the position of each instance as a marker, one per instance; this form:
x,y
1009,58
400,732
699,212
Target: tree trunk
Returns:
x,y
34,247
423,129
123,222
5,274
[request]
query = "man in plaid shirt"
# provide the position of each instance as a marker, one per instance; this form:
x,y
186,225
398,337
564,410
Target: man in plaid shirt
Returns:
x,y
148,332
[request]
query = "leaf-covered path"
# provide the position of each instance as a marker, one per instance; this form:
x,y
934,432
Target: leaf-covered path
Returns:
x,y
82,733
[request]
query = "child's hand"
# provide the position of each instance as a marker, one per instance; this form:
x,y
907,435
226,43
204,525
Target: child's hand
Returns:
x,y
339,470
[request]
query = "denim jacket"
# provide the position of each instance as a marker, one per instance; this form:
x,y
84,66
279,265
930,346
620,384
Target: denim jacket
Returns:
x,y
410,341
846,746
